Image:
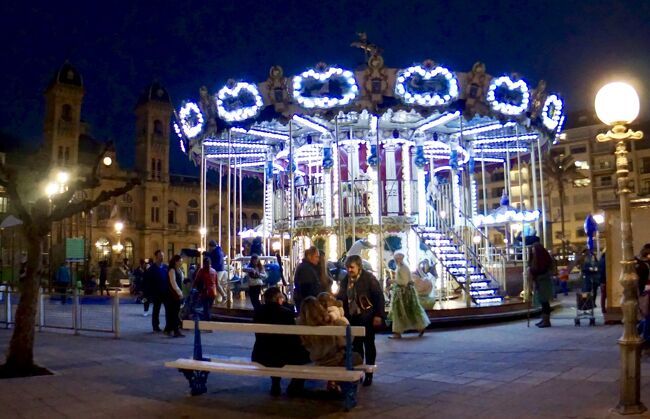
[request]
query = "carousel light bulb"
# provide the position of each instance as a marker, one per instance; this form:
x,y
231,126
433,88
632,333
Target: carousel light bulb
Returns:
x,y
119,226
203,231
599,218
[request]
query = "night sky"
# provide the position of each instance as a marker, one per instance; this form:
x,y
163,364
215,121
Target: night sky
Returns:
x,y
122,47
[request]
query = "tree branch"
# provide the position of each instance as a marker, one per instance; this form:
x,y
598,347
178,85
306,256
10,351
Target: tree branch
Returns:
x,y
72,208
90,182
10,183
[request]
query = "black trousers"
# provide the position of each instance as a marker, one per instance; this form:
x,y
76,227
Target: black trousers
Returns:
x,y
546,308
172,311
365,345
155,316
254,294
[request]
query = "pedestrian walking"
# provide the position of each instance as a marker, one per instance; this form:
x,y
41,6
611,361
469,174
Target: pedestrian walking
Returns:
x,y
306,280
363,304
590,274
174,297
406,312
540,267
103,277
157,285
63,279
217,262
206,284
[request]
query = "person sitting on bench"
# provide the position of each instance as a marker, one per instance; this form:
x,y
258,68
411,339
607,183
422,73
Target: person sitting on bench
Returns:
x,y
278,350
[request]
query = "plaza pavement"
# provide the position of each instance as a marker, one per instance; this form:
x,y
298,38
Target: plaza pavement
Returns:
x,y
502,370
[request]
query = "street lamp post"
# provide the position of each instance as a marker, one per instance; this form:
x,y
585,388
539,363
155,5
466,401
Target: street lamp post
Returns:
x,y
617,104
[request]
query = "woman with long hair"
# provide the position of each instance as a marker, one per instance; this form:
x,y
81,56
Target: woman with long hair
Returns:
x,y
175,296
256,275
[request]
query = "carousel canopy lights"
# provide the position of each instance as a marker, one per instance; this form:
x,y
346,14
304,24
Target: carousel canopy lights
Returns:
x,y
239,103
494,140
311,88
510,216
191,120
308,123
552,112
440,121
262,133
426,87
487,128
502,150
236,145
508,97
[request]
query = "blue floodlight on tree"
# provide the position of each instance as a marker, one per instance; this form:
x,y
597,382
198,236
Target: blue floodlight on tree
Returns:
x,y
324,90
591,228
435,86
507,96
239,102
552,112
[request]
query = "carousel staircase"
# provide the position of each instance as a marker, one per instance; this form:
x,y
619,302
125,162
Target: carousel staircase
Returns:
x,y
448,251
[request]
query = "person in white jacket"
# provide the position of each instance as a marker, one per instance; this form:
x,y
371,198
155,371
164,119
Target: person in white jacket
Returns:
x,y
174,298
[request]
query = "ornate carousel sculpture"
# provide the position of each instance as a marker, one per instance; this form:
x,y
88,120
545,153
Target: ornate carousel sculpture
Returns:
x,y
380,159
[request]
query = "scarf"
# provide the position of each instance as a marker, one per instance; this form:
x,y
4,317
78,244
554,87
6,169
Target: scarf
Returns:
x,y
354,308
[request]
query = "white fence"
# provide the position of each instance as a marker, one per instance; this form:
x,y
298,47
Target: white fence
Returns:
x,y
71,311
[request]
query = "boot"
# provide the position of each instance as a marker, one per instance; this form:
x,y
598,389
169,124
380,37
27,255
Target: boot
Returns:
x,y
367,381
546,321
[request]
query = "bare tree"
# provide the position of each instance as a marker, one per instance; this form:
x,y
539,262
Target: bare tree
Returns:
x,y
37,213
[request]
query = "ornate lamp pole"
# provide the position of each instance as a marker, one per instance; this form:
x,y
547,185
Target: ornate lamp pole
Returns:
x,y
617,104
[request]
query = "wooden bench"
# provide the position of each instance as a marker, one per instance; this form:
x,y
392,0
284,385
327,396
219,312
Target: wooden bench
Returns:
x,y
197,368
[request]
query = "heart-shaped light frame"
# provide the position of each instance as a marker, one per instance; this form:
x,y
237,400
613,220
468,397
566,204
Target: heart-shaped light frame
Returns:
x,y
325,102
552,112
243,113
429,98
191,125
509,84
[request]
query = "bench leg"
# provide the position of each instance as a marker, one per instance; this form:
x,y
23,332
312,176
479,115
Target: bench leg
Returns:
x,y
349,395
197,380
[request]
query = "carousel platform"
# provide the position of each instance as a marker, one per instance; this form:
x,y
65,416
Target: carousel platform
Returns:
x,y
453,312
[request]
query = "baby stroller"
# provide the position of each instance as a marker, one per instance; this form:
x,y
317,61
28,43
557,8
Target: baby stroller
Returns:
x,y
585,308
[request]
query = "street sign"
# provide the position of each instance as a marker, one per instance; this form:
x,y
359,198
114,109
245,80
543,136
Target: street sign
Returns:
x,y
74,250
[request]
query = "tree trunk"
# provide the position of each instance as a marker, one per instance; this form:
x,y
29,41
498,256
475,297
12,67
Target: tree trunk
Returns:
x,y
20,357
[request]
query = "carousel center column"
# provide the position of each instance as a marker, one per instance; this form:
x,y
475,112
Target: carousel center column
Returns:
x,y
392,193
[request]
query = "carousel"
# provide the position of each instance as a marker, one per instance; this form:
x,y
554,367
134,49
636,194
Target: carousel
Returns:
x,y
378,159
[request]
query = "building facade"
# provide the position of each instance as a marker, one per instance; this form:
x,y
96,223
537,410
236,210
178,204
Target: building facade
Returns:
x,y
161,213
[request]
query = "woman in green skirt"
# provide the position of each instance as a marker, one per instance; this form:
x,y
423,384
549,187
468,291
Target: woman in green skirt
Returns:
x,y
406,313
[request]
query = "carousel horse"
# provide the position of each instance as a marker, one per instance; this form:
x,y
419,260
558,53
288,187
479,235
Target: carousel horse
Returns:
x,y
337,269
359,190
313,205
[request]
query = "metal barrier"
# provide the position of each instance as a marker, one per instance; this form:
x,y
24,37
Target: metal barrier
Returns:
x,y
69,311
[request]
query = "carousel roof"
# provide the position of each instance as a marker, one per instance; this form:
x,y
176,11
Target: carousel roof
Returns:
x,y
425,105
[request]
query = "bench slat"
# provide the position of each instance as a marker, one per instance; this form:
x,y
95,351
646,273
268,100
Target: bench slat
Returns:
x,y
257,370
275,328
242,360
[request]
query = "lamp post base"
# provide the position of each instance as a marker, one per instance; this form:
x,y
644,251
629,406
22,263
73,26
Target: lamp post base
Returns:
x,y
630,398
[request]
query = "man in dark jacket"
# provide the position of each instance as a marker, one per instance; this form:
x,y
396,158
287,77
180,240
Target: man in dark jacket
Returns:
x,y
306,280
157,286
363,304
278,350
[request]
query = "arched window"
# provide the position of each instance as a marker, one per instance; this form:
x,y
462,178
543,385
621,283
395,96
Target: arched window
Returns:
x,y
192,213
102,249
255,220
244,221
157,127
193,204
128,250
66,113
159,170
